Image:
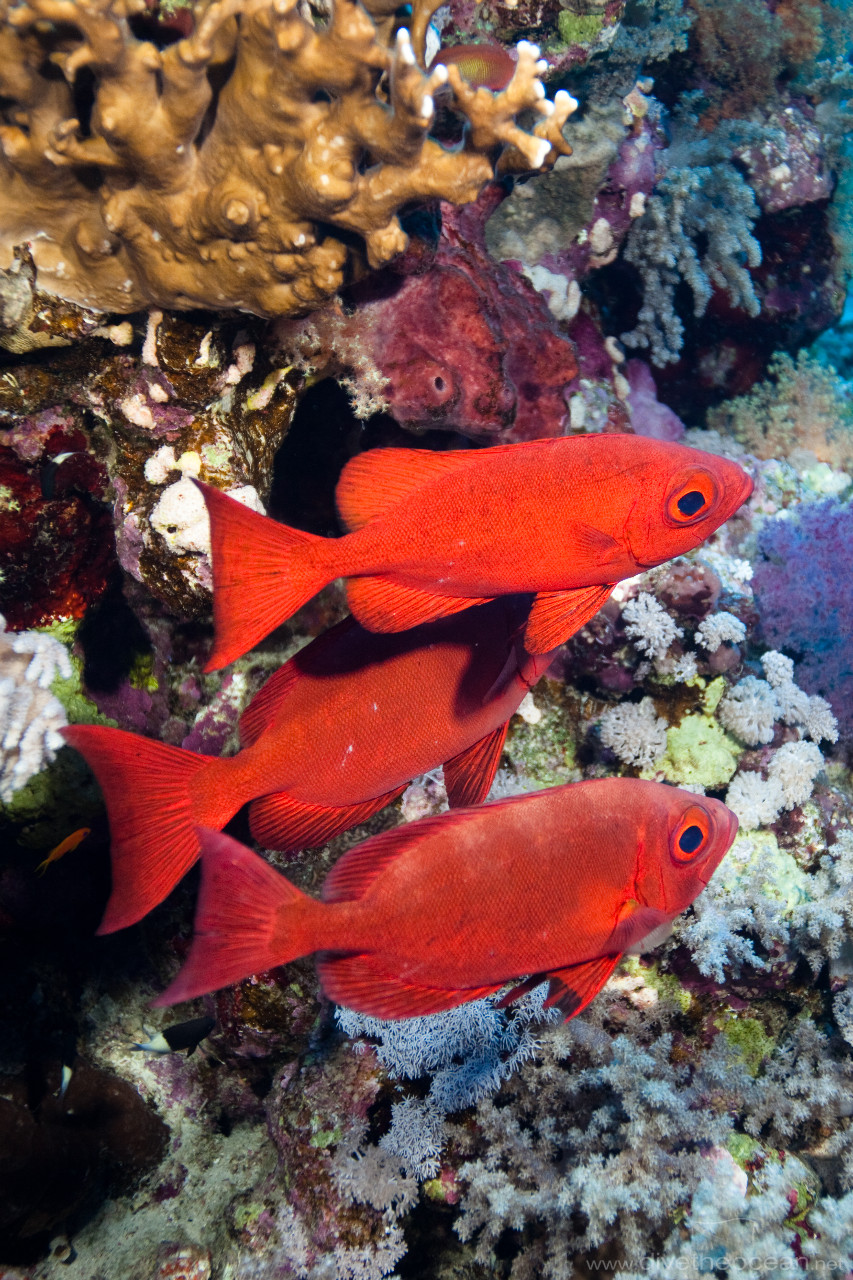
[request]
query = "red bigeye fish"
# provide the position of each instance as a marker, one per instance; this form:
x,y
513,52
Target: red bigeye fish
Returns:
x,y
332,737
487,66
431,533
556,885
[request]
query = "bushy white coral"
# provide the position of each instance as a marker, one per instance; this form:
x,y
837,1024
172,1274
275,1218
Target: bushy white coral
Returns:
x,y
720,628
30,715
649,626
749,710
634,732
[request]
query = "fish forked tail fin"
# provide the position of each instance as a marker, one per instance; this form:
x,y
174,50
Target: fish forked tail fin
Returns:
x,y
146,788
260,574
249,918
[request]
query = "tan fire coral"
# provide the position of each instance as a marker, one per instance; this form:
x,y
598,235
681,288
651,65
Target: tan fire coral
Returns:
x,y
257,164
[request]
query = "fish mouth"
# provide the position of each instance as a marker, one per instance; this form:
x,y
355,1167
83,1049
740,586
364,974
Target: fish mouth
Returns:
x,y
746,490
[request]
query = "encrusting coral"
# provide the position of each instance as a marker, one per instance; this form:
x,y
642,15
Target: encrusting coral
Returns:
x,y
256,195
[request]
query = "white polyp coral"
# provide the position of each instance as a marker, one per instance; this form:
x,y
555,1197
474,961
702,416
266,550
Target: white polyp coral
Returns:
x,y
752,707
30,716
634,732
649,626
720,628
180,516
750,710
790,779
757,801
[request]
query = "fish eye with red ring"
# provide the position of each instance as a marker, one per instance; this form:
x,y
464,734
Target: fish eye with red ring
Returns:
x,y
691,835
691,498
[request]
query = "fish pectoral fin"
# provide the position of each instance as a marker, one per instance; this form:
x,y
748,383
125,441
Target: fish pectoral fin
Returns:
x,y
374,482
636,922
589,541
557,615
569,990
357,982
468,776
280,822
382,605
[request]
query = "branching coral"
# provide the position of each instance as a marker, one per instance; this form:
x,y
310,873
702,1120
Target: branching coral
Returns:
x,y
30,715
247,195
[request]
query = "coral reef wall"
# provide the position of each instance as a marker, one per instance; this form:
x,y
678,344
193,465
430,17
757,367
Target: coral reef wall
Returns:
x,y
245,241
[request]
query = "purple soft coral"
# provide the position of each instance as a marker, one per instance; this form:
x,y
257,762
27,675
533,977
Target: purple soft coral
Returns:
x,y
806,604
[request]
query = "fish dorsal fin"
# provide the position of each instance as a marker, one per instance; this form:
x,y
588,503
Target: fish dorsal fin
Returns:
x,y
357,982
351,877
373,482
280,822
262,711
469,775
382,605
557,615
570,989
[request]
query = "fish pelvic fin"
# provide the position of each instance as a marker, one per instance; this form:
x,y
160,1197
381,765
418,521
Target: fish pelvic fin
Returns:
x,y
146,787
249,918
469,775
557,615
382,605
280,822
571,989
357,982
261,574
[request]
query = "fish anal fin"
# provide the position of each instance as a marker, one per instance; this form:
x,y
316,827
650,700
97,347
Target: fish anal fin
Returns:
x,y
570,989
356,982
382,605
354,873
468,776
557,615
281,822
374,482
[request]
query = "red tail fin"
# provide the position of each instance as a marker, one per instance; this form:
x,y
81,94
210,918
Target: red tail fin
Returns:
x,y
249,918
152,825
260,574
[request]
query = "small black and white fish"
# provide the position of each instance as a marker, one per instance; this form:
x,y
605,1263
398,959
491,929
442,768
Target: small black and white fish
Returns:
x,y
183,1035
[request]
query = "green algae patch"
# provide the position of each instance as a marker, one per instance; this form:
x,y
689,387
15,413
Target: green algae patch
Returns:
x,y
579,28
57,800
712,695
748,1038
743,1149
699,752
544,753
666,984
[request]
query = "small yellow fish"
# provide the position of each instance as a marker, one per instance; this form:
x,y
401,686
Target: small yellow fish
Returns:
x,y
64,846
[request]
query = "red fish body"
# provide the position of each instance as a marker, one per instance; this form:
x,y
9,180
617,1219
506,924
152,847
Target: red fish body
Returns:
x,y
331,738
556,884
431,533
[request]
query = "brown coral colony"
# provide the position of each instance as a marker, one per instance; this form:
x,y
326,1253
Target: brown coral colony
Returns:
x,y
258,164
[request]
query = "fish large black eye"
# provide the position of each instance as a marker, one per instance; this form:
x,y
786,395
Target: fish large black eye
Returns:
x,y
691,835
690,840
689,503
